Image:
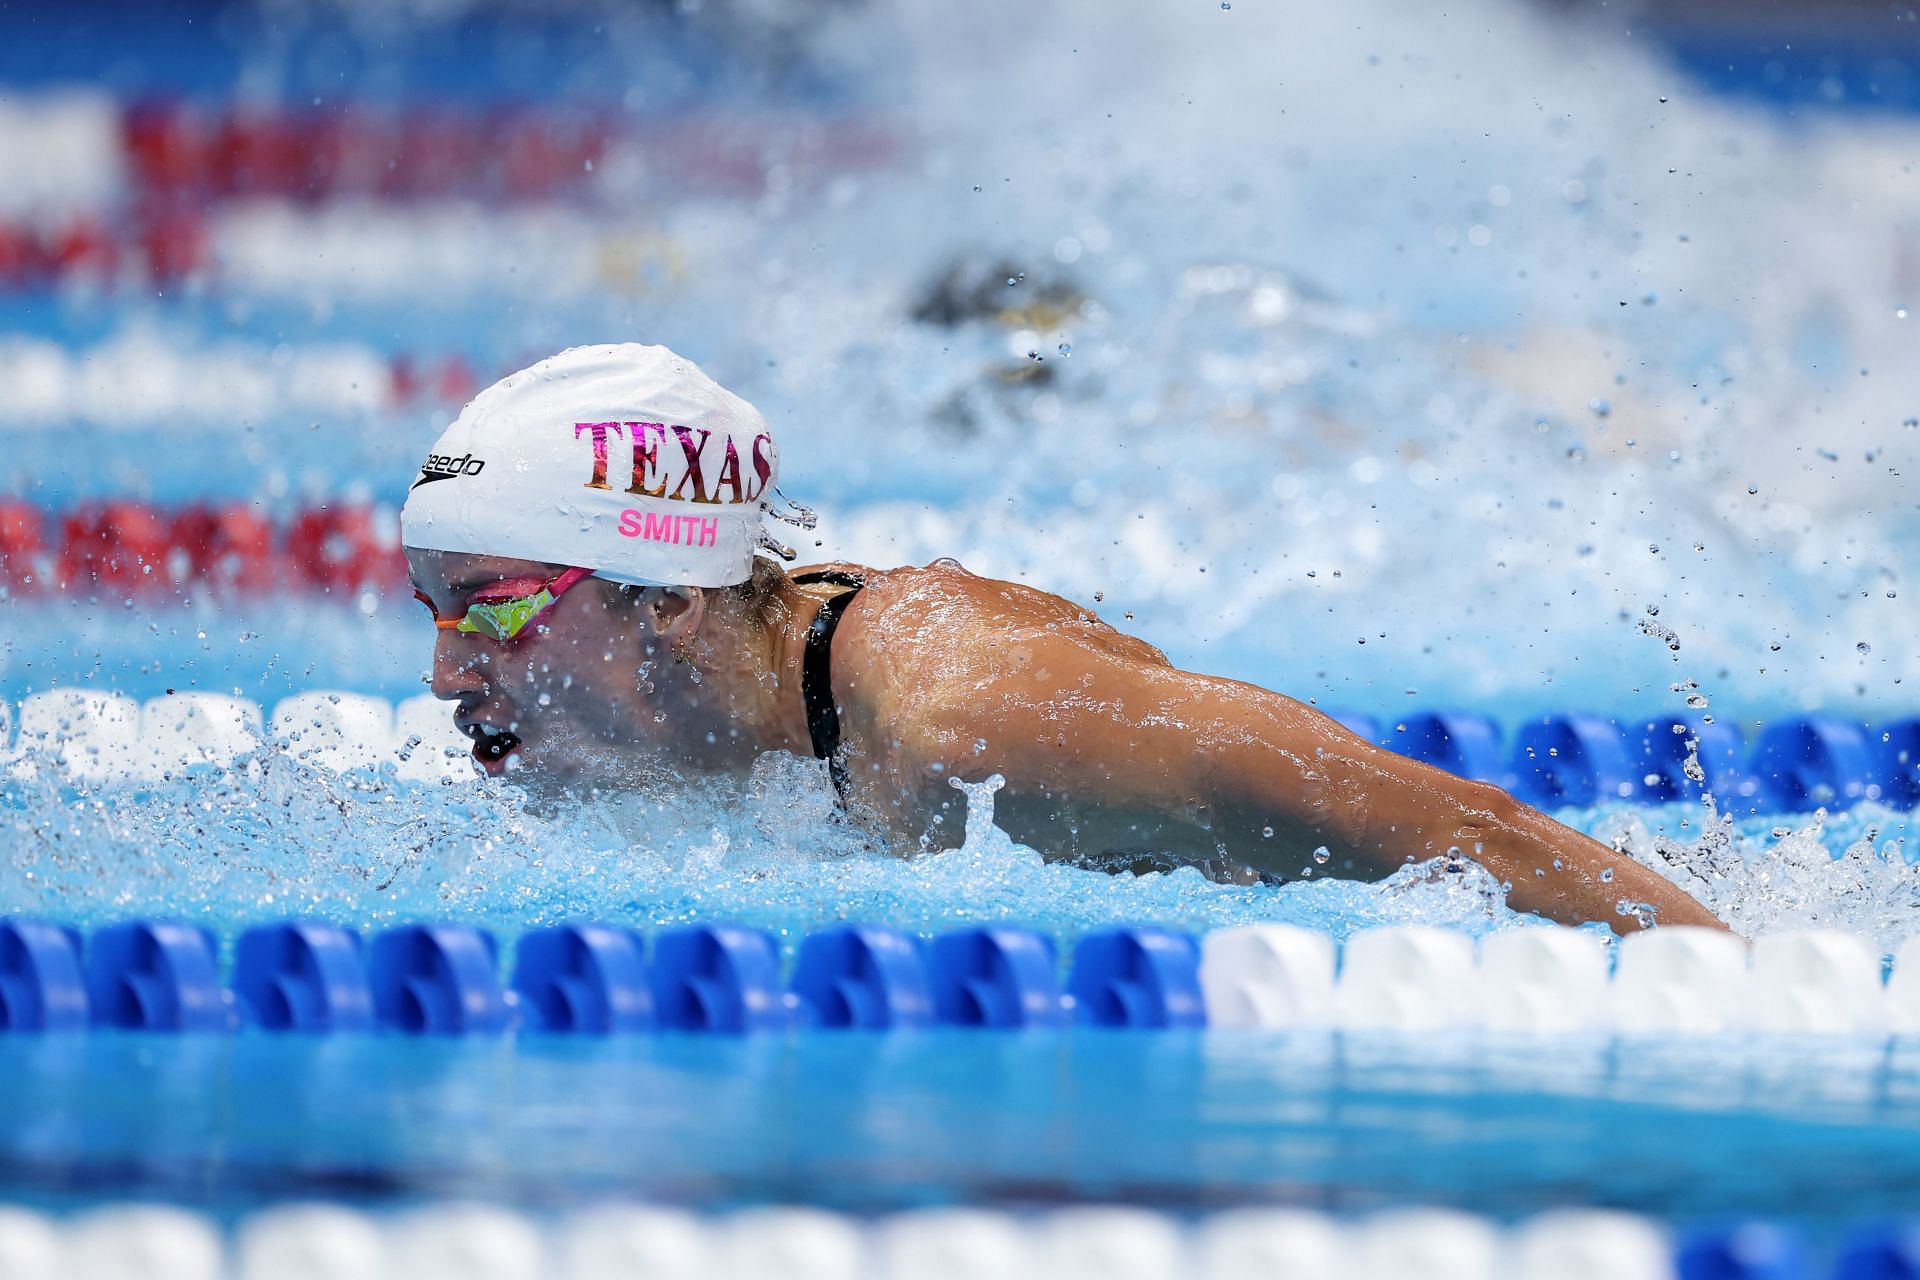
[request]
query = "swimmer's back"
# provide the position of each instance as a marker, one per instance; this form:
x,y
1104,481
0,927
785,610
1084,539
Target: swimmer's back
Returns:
x,y
935,613
936,669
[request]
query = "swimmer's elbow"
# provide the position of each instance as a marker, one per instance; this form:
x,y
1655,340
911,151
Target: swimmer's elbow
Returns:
x,y
1496,802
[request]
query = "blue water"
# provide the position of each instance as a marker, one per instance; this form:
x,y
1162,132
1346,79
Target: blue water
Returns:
x,y
1422,355
1819,1133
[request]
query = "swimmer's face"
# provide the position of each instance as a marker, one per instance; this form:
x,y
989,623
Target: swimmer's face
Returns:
x,y
567,696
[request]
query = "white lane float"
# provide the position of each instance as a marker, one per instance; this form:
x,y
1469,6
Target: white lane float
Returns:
x,y
29,1246
1589,1244
1433,1244
1543,980
616,1242
1109,1243
1680,980
142,1242
951,1244
333,730
1271,1244
465,1242
1267,975
794,1244
1407,978
183,731
310,1242
90,735
1816,981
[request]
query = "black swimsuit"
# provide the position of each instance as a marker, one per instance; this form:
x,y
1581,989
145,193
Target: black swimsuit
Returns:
x,y
816,673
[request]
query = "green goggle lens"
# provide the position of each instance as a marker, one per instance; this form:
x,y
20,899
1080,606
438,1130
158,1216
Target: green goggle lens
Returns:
x,y
504,619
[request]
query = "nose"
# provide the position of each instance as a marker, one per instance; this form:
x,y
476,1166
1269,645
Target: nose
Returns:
x,y
457,660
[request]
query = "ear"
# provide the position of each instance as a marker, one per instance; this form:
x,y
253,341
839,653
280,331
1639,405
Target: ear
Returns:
x,y
674,614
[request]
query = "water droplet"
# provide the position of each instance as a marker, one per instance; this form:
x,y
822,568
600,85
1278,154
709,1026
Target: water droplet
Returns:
x,y
1576,454
1322,855
979,745
1606,875
1863,647
1599,406
1696,700
1066,349
1753,488
1267,832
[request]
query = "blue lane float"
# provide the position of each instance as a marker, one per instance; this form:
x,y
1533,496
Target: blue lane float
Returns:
x,y
1718,751
437,979
302,976
1896,748
863,977
1572,760
586,979
997,976
1886,1252
719,978
1464,743
1744,1251
155,975
42,985
1143,977
1808,763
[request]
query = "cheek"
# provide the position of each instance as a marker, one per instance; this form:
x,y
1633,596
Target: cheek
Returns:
x,y
578,681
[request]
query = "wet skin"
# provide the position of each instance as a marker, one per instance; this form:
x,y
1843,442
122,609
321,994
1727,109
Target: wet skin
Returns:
x,y
1109,752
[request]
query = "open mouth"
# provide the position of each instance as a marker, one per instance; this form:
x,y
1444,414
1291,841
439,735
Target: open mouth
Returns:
x,y
492,745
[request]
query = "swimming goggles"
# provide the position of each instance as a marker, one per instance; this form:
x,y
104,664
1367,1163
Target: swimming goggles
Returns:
x,y
503,617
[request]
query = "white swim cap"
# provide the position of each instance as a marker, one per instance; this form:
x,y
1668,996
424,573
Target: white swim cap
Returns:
x,y
623,459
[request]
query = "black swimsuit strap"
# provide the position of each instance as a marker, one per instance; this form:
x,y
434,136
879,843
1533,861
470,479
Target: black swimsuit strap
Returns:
x,y
816,674
838,577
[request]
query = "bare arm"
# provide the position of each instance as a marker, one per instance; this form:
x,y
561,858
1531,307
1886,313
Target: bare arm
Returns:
x,y
1135,749
1379,809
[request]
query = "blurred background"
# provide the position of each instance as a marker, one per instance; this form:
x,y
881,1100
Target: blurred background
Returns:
x,y
1525,355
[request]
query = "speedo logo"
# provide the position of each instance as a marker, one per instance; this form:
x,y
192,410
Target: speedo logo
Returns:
x,y
438,467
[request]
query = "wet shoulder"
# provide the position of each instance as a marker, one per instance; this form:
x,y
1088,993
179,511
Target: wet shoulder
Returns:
x,y
942,607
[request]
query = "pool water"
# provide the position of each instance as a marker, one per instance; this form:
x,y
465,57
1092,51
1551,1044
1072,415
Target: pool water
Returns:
x,y
1410,359
1677,1129
1821,1134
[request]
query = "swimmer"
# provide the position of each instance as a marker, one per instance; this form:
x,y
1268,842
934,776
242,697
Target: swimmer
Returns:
x,y
588,537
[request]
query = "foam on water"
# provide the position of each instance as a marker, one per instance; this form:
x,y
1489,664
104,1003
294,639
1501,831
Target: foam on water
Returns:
x,y
274,838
